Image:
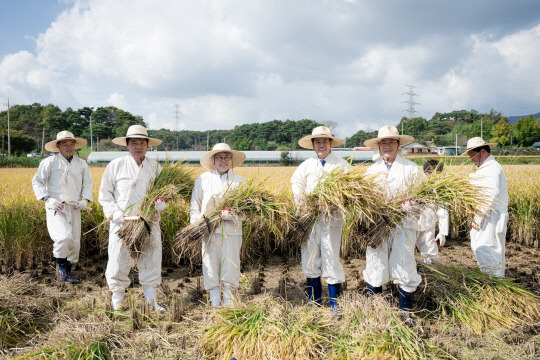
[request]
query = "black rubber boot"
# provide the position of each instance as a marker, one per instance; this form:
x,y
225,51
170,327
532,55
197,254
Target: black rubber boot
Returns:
x,y
372,290
69,279
405,305
314,290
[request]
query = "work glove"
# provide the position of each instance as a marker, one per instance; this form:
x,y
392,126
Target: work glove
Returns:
x,y
441,239
160,205
226,214
406,206
118,217
478,221
81,204
54,204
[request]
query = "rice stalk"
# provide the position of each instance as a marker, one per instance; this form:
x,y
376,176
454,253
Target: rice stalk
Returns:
x,y
473,299
173,182
264,218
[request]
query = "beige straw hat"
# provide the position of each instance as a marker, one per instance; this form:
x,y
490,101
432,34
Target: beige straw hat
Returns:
x,y
319,132
476,142
64,135
207,161
389,132
136,131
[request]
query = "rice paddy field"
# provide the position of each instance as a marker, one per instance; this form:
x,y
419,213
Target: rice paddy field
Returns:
x,y
459,312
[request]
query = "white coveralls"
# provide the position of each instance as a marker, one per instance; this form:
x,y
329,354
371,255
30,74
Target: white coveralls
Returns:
x,y
320,255
429,249
395,256
69,182
221,252
123,184
488,243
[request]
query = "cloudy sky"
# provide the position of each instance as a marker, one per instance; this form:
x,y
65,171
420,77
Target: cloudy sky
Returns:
x,y
231,62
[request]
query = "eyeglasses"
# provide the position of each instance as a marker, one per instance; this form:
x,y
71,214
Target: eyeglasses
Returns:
x,y
223,158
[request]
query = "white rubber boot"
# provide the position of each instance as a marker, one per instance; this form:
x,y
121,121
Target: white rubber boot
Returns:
x,y
117,299
215,297
150,296
228,296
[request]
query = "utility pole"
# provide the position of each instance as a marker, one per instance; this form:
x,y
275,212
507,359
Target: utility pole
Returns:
x,y
410,110
481,128
8,134
91,138
207,139
42,141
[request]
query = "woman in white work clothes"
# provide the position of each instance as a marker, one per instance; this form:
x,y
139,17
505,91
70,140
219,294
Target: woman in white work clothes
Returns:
x,y
221,251
394,258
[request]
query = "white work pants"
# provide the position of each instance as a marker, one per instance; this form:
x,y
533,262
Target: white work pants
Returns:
x,y
429,249
65,230
393,258
489,242
120,262
221,260
320,255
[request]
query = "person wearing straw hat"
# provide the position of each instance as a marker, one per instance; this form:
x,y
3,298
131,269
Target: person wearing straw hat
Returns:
x,y
63,181
488,233
221,251
123,186
428,243
394,258
320,254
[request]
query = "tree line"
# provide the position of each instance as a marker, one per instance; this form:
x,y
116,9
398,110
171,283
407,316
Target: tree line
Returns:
x,y
35,124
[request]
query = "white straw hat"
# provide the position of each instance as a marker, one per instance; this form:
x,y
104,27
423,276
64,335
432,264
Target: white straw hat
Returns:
x,y
389,132
64,135
320,132
207,161
136,132
476,142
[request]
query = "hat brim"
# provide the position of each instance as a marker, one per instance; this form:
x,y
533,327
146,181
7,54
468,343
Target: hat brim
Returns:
x,y
403,140
307,143
207,161
52,146
122,140
491,146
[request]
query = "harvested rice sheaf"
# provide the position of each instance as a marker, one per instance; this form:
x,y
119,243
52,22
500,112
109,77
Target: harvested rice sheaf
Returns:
x,y
265,218
473,299
172,183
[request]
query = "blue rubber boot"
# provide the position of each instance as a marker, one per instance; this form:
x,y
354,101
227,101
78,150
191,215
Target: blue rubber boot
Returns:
x,y
69,279
405,305
61,271
314,290
333,292
372,290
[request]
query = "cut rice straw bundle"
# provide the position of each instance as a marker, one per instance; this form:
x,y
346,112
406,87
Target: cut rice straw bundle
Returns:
x,y
351,194
473,299
264,217
172,183
448,189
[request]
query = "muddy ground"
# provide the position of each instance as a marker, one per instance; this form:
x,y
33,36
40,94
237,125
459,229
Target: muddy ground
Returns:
x,y
282,278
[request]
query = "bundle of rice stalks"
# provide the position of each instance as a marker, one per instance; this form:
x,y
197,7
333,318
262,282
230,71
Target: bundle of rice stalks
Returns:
x,y
473,299
448,189
267,330
351,194
264,218
173,182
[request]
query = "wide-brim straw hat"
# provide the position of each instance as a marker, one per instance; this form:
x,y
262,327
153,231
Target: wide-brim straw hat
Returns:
x,y
136,132
52,146
320,132
475,143
207,161
389,132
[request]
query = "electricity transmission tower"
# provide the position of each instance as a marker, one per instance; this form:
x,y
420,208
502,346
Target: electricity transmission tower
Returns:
x,y
410,110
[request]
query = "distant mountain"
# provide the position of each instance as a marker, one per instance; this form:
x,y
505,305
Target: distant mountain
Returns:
x,y
514,119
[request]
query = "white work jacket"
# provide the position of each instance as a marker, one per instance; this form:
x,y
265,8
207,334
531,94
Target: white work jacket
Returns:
x,y
209,188
307,176
63,180
124,184
397,180
491,177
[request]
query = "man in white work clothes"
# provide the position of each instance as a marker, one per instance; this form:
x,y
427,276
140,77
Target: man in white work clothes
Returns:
x,y
64,182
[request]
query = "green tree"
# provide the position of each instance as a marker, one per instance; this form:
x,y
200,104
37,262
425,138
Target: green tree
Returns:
x,y
501,132
21,143
358,139
527,131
